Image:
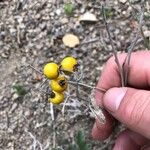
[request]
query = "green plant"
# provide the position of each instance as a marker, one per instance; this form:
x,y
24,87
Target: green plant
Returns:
x,y
68,8
80,142
19,89
109,12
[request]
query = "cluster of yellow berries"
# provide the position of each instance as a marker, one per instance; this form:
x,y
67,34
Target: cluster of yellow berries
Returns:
x,y
58,81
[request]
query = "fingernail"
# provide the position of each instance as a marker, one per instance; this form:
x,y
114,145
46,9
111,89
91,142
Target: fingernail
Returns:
x,y
113,97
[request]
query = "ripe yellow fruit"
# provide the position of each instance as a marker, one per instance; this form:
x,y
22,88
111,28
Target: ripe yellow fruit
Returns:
x,y
69,64
59,85
56,98
51,70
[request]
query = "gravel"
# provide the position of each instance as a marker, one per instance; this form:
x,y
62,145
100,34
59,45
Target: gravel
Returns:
x,y
31,33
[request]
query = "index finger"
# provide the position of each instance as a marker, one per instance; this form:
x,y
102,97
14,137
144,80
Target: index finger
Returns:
x,y
139,73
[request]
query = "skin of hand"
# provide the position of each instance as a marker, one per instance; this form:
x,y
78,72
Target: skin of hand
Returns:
x,y
129,105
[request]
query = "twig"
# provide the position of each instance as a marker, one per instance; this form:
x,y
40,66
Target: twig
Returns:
x,y
42,91
96,110
98,114
52,111
54,139
43,82
126,64
35,141
64,105
35,69
90,41
88,86
127,60
113,48
18,35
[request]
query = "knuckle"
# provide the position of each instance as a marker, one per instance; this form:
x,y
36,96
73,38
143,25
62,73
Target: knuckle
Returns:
x,y
134,110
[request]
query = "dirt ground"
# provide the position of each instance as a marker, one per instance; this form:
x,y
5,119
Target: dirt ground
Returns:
x,y
31,32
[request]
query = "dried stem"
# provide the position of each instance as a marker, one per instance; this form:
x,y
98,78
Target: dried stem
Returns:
x,y
64,105
40,90
35,141
113,48
35,69
126,64
88,86
52,111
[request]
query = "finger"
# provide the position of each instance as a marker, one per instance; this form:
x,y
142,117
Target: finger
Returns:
x,y
131,107
102,131
146,147
139,73
129,140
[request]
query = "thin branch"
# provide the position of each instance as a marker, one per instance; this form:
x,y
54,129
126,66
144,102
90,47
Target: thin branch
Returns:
x,y
127,60
113,48
52,111
35,69
126,64
64,105
90,41
35,141
18,35
40,90
88,86
96,110
43,82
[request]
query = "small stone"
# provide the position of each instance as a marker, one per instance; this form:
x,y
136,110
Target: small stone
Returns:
x,y
147,33
64,21
116,2
58,12
82,10
27,113
12,30
52,14
14,106
4,55
38,16
15,96
23,60
123,1
124,12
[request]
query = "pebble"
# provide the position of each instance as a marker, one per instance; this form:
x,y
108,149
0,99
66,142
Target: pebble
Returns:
x,y
58,12
15,96
64,21
147,33
14,106
123,1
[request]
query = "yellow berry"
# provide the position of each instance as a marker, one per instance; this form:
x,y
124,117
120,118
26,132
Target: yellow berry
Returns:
x,y
59,84
69,64
51,70
56,98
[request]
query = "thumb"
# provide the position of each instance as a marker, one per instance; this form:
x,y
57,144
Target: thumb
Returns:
x,y
131,107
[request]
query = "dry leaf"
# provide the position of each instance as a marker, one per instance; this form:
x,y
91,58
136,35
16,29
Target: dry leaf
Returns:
x,y
71,40
89,17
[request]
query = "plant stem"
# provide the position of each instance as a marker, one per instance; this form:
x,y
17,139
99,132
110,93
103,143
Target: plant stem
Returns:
x,y
114,51
85,85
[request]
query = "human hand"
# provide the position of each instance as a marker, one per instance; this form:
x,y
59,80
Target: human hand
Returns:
x,y
129,105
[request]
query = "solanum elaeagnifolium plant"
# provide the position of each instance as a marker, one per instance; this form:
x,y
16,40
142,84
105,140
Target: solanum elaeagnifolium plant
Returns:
x,y
58,79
